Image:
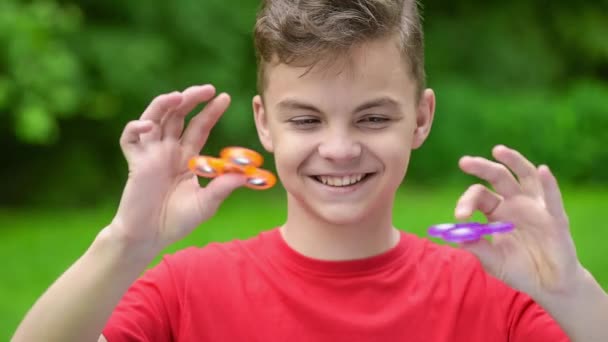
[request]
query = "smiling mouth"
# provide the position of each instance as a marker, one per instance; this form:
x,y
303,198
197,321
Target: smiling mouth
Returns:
x,y
342,181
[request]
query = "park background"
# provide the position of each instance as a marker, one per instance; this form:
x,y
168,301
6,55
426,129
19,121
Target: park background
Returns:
x,y
529,74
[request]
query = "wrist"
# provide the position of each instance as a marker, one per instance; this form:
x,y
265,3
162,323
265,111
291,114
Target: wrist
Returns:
x,y
580,309
114,241
576,286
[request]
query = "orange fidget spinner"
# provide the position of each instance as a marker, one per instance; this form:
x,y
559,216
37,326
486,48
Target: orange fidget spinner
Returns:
x,y
238,160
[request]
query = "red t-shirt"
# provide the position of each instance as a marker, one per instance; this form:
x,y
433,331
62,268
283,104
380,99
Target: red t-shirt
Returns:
x,y
262,290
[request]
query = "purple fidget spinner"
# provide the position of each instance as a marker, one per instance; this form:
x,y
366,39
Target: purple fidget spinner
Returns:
x,y
468,231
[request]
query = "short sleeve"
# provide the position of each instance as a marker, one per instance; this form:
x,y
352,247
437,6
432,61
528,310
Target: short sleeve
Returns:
x,y
529,322
522,319
149,310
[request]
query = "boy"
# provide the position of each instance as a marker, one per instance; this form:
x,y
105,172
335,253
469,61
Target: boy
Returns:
x,y
342,103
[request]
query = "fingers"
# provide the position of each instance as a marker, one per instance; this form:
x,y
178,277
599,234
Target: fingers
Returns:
x,y
164,117
536,182
212,196
131,134
500,176
198,129
477,197
552,195
525,171
496,174
156,111
490,257
173,123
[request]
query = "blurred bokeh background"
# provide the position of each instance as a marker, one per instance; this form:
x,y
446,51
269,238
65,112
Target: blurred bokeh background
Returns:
x,y
529,74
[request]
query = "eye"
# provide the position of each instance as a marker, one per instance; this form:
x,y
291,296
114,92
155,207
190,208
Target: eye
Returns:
x,y
305,122
374,121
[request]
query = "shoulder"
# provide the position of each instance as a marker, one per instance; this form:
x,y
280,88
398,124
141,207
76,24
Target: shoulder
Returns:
x,y
480,293
216,256
454,271
445,258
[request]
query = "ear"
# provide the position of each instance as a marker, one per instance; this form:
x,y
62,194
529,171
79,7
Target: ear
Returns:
x,y
261,123
424,117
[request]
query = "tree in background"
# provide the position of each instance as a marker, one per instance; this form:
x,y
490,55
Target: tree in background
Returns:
x,y
532,75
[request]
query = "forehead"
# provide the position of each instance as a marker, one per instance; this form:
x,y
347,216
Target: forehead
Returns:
x,y
374,68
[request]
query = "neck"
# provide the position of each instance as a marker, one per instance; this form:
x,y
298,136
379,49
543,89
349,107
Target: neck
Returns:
x,y
316,238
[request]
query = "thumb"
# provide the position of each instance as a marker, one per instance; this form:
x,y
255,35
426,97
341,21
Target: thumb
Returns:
x,y
219,189
489,256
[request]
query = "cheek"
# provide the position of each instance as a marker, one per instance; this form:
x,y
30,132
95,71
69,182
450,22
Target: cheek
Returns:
x,y
288,142
285,161
394,151
397,160
395,142
290,152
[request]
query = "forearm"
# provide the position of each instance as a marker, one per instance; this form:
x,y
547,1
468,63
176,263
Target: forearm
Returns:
x,y
77,306
582,314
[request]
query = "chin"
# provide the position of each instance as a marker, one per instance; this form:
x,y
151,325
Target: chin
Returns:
x,y
341,215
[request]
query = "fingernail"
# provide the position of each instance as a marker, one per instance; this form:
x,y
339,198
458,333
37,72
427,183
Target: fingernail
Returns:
x,y
461,212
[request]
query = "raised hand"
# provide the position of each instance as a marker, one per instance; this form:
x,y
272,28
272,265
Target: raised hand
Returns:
x,y
539,256
162,201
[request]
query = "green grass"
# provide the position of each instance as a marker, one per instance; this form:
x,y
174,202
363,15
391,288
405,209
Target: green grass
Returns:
x,y
38,245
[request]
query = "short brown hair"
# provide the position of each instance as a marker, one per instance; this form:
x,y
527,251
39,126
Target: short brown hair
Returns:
x,y
294,30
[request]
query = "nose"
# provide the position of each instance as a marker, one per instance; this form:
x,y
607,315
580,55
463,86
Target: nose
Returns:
x,y
339,147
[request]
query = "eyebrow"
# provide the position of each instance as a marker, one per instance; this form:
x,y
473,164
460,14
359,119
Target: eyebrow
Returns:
x,y
295,104
291,104
384,101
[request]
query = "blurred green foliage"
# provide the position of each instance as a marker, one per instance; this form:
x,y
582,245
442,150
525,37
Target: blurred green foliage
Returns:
x,y
533,75
33,260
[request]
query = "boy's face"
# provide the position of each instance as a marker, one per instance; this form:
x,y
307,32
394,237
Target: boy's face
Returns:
x,y
354,122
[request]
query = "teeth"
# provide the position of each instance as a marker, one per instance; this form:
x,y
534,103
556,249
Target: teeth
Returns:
x,y
340,181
